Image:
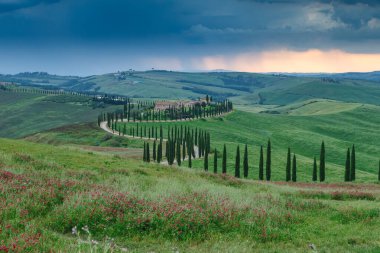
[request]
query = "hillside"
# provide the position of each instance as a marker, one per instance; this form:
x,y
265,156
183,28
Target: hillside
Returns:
x,y
27,113
303,134
60,191
241,88
68,185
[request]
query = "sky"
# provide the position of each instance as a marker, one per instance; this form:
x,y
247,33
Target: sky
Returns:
x,y
86,37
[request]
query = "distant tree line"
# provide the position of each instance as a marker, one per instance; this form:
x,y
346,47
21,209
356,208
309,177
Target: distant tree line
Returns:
x,y
138,111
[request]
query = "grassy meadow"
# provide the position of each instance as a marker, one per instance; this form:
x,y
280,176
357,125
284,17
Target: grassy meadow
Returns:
x,y
128,206
68,186
303,130
242,88
23,114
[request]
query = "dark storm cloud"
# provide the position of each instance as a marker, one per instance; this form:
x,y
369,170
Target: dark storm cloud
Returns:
x,y
185,28
12,5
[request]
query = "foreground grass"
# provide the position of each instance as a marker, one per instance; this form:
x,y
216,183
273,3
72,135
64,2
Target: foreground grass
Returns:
x,y
45,191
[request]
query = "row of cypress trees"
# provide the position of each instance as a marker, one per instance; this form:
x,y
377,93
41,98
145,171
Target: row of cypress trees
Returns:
x,y
350,168
291,164
145,111
173,152
174,147
180,144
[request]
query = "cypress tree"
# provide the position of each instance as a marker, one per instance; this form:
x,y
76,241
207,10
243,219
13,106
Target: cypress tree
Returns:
x,y
261,164
288,167
184,148
147,153
190,163
173,151
245,162
269,161
353,164
178,153
347,173
237,162
154,151
215,161
224,161
294,169
167,150
378,174
144,155
159,152
206,161
322,163
315,174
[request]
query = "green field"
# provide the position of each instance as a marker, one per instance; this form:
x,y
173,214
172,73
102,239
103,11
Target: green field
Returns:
x,y
66,172
241,88
23,114
303,134
46,191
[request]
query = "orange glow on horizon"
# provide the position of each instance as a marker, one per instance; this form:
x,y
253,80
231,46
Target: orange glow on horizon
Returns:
x,y
313,60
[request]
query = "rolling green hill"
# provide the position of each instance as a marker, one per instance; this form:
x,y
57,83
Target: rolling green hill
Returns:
x,y
312,107
23,114
241,88
70,186
303,134
79,201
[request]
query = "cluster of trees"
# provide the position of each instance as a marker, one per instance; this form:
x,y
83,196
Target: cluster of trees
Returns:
x,y
291,166
195,111
350,168
177,147
268,164
182,142
52,90
112,99
145,111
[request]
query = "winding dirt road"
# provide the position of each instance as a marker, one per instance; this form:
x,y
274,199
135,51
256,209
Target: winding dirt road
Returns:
x,y
103,125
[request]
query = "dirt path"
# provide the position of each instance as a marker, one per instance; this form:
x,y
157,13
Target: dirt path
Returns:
x,y
103,125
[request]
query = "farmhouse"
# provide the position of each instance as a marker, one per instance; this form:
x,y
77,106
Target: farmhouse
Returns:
x,y
164,105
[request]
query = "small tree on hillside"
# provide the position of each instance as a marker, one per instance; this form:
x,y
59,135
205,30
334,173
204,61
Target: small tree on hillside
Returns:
x,y
294,169
159,152
269,161
154,151
178,153
206,161
353,164
245,161
190,163
288,166
261,164
315,175
224,161
347,173
237,162
147,153
215,161
322,163
144,154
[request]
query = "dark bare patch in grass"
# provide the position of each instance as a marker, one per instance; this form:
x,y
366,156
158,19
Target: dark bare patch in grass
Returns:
x,y
222,179
141,172
338,195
